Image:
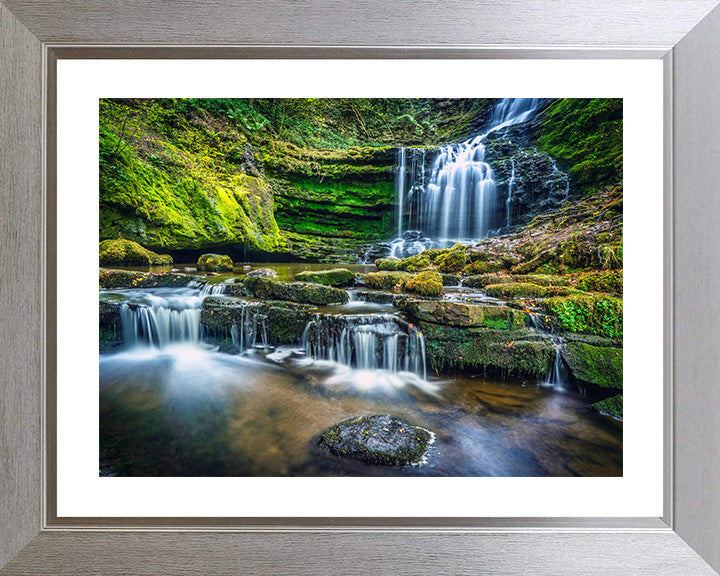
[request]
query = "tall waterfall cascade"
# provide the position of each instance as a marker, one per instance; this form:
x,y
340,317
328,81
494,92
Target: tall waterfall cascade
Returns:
x,y
456,198
366,342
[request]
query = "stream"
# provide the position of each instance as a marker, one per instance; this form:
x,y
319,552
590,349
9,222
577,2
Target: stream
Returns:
x,y
171,404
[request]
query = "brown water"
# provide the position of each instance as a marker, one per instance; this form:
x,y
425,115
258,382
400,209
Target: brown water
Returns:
x,y
191,411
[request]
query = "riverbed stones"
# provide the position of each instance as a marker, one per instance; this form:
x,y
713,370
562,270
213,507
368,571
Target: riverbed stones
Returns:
x,y
262,273
612,406
215,263
301,292
378,439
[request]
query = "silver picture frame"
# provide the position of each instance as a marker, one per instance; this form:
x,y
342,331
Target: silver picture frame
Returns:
x,y
685,34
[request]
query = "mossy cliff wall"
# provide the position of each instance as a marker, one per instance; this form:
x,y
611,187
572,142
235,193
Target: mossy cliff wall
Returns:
x,y
311,178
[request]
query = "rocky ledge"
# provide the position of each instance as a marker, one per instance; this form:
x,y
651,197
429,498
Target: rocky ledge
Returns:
x,y
379,439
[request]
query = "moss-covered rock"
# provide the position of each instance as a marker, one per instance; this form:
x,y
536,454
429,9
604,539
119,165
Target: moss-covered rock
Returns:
x,y
610,282
483,267
542,279
110,324
515,290
453,261
390,263
482,280
285,321
378,439
215,263
588,313
335,277
450,280
462,314
598,365
129,253
301,292
428,283
522,352
612,407
387,280
117,279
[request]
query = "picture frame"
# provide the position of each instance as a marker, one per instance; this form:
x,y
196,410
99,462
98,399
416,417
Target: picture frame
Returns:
x,y
683,33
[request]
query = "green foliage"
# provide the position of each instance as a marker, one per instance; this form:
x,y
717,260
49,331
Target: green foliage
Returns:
x,y
585,136
590,314
129,253
428,283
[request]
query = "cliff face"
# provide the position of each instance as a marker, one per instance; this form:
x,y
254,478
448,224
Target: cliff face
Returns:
x,y
314,179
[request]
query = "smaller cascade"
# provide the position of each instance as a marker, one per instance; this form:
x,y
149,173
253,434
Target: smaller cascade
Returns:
x,y
400,189
159,326
251,333
557,376
366,342
207,289
508,202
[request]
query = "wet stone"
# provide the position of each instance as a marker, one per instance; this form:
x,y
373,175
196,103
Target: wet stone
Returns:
x,y
378,439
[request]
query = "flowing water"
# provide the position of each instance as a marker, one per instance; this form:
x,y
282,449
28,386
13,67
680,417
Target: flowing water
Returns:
x,y
459,201
172,405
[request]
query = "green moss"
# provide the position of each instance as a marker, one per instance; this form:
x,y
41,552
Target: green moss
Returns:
x,y
335,277
598,365
589,314
428,283
612,407
483,267
453,261
482,280
214,263
295,291
542,279
611,282
170,183
391,264
387,280
585,135
129,253
519,351
116,279
515,290
450,280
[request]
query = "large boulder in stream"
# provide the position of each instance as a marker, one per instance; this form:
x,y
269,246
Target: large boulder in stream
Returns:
x,y
215,263
379,439
301,292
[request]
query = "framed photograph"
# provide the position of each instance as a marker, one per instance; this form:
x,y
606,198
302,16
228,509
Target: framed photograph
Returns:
x,y
361,308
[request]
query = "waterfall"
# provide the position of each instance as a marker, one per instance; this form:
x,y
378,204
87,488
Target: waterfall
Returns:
x,y
366,342
508,202
251,333
158,317
459,201
400,189
159,326
557,376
